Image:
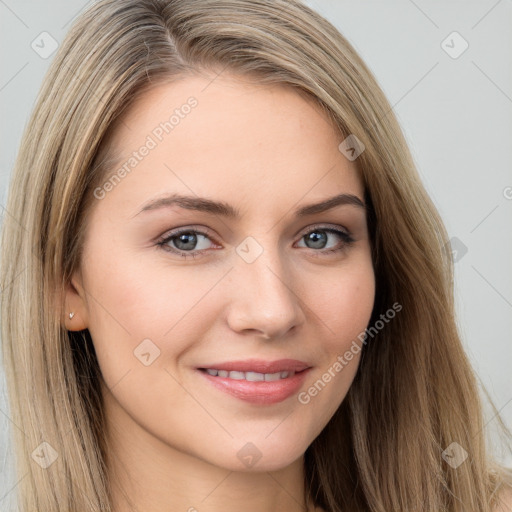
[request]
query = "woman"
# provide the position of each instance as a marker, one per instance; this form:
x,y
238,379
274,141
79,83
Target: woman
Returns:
x,y
232,291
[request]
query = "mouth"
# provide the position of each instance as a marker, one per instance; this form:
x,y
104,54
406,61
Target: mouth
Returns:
x,y
249,376
257,382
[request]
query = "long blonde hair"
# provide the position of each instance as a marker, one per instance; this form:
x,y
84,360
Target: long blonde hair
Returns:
x,y
414,393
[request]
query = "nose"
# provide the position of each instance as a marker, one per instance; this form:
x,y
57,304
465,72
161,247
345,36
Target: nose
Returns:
x,y
262,298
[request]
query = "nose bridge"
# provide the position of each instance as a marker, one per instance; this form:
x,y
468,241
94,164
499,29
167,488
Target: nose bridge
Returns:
x,y
263,297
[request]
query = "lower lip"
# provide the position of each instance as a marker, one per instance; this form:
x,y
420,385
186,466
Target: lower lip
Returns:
x,y
260,392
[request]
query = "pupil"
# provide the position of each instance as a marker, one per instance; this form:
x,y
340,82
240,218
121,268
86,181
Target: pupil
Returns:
x,y
318,240
183,239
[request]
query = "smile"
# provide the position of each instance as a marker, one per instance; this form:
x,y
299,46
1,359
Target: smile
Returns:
x,y
257,388
249,376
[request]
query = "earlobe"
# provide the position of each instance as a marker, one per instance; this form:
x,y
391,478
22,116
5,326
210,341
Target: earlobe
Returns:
x,y
75,311
74,322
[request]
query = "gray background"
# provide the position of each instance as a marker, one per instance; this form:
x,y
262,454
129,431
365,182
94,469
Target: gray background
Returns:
x,y
456,114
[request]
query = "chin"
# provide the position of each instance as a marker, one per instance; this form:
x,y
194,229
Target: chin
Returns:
x,y
262,455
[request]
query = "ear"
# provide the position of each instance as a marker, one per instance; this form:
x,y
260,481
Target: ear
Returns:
x,y
76,304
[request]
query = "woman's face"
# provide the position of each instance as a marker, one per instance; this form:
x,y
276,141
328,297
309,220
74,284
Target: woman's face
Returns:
x,y
260,283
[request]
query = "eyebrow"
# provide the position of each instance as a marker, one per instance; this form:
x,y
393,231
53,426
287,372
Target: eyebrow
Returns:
x,y
203,204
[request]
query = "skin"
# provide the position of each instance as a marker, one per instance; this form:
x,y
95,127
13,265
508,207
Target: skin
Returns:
x,y
266,150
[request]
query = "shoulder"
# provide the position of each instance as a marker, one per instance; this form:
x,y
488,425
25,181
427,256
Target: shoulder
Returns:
x,y
504,502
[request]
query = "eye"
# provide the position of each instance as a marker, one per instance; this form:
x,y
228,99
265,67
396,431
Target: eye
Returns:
x,y
318,238
192,243
185,241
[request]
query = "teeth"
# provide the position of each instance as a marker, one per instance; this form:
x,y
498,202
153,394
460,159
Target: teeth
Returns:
x,y
249,376
237,375
253,376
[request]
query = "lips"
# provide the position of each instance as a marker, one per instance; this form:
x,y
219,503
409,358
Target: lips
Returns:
x,y
257,381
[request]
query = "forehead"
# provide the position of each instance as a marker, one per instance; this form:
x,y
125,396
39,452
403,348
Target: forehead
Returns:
x,y
212,135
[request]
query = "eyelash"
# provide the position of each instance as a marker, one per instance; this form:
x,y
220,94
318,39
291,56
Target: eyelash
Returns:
x,y
347,240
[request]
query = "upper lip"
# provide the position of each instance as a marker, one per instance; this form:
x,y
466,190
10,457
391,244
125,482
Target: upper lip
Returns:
x,y
260,366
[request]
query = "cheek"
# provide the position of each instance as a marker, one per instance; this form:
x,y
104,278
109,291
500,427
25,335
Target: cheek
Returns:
x,y
131,302
352,305
343,302
343,306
